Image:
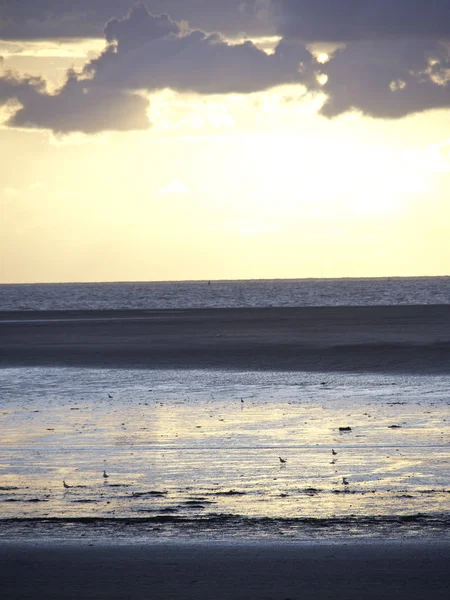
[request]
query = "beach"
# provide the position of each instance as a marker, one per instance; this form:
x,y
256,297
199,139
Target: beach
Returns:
x,y
377,339
189,412
220,571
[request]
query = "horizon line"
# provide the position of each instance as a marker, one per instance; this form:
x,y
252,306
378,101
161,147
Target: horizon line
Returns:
x,y
206,280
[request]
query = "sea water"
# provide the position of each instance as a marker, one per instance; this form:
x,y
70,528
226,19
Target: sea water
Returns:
x,y
226,294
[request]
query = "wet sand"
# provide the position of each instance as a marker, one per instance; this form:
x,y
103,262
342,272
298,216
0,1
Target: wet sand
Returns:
x,y
202,571
390,339
413,339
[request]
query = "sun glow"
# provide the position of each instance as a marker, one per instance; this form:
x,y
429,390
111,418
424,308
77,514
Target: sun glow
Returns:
x,y
225,186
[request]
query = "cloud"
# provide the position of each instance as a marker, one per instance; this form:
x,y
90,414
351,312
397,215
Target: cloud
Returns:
x,y
395,58
139,27
352,20
148,52
144,53
388,79
76,107
382,77
23,90
46,19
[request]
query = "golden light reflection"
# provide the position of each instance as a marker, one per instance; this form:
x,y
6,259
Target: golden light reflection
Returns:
x,y
166,454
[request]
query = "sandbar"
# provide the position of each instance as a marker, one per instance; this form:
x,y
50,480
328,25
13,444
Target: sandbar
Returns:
x,y
408,339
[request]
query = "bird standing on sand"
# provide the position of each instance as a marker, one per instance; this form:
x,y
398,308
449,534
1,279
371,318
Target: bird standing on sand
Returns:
x,y
282,460
109,396
105,475
333,452
344,481
66,486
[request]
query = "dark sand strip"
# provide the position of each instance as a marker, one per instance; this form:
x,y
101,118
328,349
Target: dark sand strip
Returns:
x,y
219,571
410,339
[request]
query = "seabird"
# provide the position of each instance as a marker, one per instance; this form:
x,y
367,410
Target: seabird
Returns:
x,y
66,486
333,452
105,474
344,481
109,396
282,460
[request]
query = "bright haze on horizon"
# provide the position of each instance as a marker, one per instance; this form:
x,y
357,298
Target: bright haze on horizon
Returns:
x,y
212,139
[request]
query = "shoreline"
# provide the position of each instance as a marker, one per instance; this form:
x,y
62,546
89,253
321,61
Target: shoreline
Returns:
x,y
225,529
396,339
221,570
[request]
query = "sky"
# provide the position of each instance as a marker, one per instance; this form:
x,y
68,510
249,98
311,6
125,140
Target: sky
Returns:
x,y
203,139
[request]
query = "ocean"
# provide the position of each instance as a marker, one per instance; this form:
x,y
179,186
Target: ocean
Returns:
x,y
226,294
195,453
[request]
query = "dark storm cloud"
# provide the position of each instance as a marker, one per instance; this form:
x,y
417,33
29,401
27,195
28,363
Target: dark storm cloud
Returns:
x,y
45,19
350,20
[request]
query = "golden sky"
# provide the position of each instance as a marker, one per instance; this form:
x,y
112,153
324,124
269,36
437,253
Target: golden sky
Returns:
x,y
228,185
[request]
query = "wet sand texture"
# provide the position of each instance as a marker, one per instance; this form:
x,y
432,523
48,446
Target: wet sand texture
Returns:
x,y
378,339
407,571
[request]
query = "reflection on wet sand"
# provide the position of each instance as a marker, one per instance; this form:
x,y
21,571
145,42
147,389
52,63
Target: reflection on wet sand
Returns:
x,y
206,446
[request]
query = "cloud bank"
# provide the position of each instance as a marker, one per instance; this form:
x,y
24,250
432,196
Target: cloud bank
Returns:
x,y
394,60
396,55
391,79
352,20
47,19
146,52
